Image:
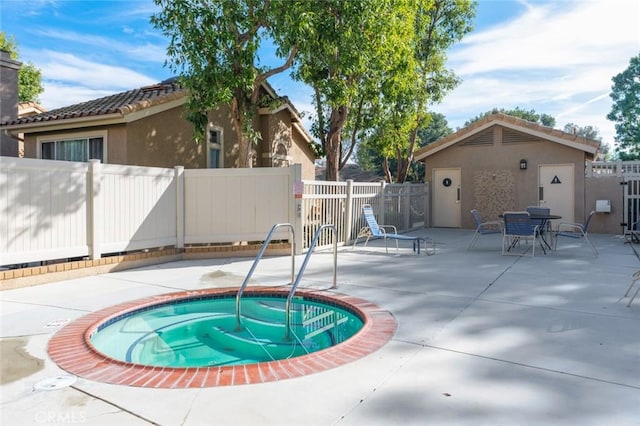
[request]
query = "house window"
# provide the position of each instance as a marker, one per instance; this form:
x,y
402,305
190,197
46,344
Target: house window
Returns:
x,y
77,149
214,148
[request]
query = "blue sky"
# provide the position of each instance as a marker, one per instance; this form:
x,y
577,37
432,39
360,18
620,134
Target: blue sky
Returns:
x,y
556,57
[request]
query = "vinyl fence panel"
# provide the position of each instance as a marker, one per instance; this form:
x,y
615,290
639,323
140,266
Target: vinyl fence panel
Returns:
x,y
223,205
43,210
137,207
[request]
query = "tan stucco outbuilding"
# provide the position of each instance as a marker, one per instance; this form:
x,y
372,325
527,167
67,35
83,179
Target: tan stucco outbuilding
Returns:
x,y
501,163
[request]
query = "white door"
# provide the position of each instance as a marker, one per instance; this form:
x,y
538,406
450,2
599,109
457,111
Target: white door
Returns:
x,y
446,198
556,190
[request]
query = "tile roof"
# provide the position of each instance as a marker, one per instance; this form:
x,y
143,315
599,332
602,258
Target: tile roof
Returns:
x,y
122,103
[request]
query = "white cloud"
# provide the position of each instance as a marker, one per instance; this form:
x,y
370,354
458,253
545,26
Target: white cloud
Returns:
x,y
138,52
557,58
58,95
70,68
68,79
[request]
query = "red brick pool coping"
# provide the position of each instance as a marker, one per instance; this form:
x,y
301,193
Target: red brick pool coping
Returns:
x,y
70,349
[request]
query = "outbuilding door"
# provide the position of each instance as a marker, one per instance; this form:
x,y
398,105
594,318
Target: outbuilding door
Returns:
x,y
556,189
446,198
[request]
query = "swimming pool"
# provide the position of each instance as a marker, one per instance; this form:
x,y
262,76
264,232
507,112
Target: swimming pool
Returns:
x,y
72,348
200,332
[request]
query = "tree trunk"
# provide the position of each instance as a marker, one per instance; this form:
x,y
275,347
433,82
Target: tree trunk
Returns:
x,y
404,163
243,145
385,169
333,142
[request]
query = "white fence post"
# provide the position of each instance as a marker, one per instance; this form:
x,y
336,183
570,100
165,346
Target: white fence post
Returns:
x,y
94,210
426,203
348,212
589,169
297,188
382,203
179,182
405,197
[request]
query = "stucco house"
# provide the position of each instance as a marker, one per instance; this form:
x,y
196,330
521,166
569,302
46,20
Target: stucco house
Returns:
x,y
145,127
501,163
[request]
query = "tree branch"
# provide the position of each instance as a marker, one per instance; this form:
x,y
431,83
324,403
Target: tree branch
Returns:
x,y
264,76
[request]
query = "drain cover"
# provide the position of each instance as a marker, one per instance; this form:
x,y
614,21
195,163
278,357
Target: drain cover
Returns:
x,y
57,382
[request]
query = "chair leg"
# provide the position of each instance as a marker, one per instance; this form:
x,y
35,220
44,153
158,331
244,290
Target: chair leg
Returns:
x,y
634,296
361,233
634,278
474,239
429,244
593,248
533,248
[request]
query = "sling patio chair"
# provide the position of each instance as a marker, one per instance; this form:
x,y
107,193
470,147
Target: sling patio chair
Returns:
x,y
576,231
543,225
634,279
518,227
389,232
483,228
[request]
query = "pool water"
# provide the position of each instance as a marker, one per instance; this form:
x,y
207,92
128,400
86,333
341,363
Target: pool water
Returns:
x,y
202,332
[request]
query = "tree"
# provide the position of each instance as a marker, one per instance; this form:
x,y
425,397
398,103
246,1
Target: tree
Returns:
x,y
364,63
544,119
350,46
438,25
588,132
213,47
29,77
625,111
370,158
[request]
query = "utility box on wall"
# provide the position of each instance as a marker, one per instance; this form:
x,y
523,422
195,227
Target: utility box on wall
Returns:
x,y
603,206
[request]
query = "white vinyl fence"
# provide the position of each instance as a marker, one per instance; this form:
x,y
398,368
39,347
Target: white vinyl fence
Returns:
x,y
237,204
57,209
53,210
43,210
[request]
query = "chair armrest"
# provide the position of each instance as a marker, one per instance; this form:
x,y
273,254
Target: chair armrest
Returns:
x,y
363,231
493,223
383,227
565,226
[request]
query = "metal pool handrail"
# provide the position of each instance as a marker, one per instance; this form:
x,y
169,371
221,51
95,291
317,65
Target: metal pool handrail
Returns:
x,y
255,263
304,265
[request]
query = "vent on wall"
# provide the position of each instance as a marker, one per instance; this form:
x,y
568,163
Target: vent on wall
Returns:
x,y
484,138
511,136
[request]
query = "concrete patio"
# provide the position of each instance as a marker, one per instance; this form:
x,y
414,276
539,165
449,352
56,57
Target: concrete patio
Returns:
x,y
481,339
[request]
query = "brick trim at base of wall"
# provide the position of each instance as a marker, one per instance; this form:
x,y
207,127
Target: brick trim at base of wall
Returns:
x,y
25,277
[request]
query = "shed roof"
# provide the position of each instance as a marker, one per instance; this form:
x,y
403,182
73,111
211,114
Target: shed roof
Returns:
x,y
534,129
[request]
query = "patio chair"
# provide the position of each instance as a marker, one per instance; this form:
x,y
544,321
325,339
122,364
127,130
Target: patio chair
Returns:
x,y
634,279
576,231
389,232
518,227
484,228
543,225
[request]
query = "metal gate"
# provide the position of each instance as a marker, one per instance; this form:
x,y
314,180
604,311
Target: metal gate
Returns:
x,y
631,202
